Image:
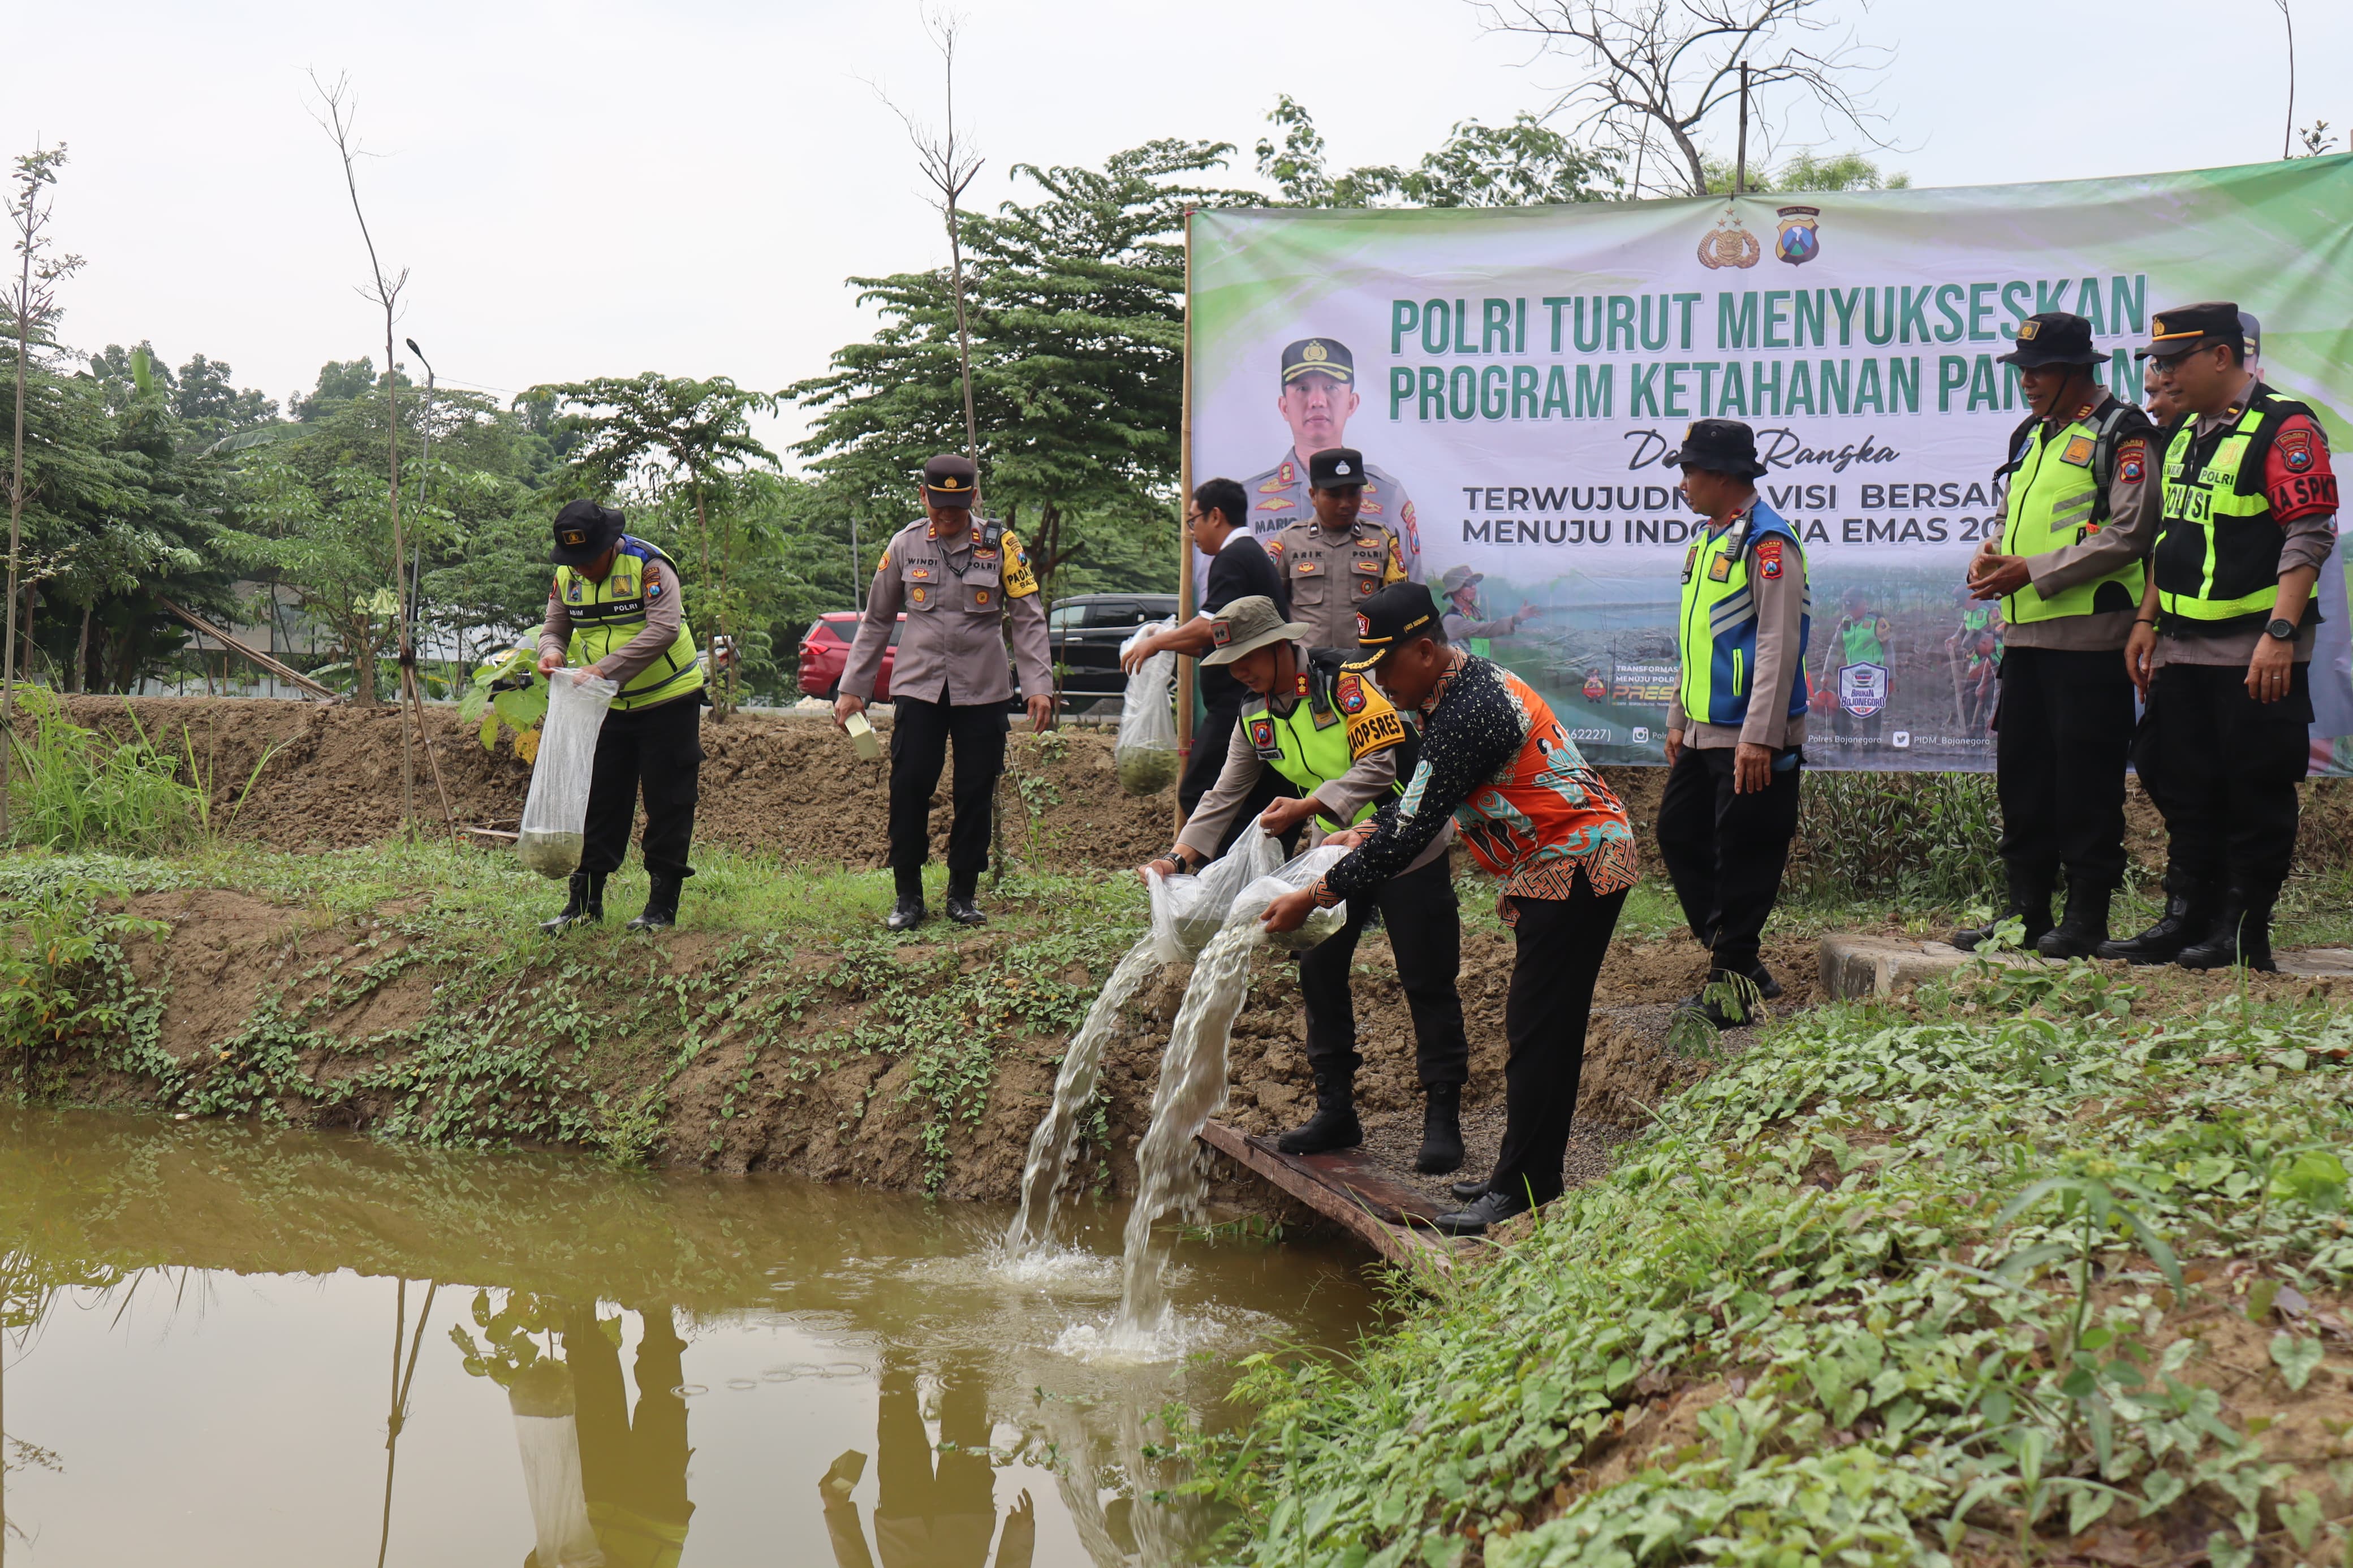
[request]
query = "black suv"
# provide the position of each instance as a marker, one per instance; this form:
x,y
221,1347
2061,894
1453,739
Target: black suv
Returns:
x,y
1085,632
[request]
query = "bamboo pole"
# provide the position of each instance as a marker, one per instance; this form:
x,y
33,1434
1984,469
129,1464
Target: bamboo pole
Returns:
x,y
1185,607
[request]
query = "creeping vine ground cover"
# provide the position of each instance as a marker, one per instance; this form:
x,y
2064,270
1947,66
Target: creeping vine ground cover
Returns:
x,y
1954,1284
576,1041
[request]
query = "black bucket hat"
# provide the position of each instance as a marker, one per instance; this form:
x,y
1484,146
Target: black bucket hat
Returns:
x,y
583,530
2055,337
1720,446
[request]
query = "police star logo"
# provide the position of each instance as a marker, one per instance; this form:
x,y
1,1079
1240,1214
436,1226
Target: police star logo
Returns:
x,y
1350,692
1314,354
1728,245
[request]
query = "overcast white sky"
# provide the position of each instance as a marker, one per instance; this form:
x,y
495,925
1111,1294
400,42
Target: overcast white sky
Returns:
x,y
604,188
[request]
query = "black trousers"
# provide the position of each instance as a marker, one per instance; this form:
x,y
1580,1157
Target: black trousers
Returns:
x,y
1211,741
2062,736
920,734
1560,945
1726,852
1426,933
657,749
2222,769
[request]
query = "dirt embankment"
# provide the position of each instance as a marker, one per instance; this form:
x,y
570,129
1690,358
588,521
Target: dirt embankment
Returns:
x,y
330,778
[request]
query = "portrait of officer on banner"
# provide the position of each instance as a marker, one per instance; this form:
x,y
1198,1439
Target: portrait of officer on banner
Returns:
x,y
1318,394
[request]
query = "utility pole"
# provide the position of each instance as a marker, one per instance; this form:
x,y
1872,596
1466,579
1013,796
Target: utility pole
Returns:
x,y
1740,170
424,472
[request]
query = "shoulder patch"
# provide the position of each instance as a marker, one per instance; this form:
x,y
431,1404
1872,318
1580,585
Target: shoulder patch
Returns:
x,y
2295,445
1349,692
1014,570
1769,559
2132,460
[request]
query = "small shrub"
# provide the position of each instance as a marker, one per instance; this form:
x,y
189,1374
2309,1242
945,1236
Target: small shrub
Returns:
x,y
79,789
1919,837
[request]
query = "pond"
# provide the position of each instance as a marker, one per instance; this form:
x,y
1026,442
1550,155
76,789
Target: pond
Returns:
x,y
224,1343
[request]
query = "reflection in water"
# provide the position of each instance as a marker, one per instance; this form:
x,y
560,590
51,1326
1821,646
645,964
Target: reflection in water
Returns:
x,y
233,1285
936,1506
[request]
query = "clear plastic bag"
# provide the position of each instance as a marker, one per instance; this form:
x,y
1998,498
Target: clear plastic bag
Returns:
x,y
1145,755
555,812
1301,872
1187,911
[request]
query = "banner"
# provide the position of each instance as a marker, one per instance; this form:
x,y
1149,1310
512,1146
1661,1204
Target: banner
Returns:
x,y
1512,377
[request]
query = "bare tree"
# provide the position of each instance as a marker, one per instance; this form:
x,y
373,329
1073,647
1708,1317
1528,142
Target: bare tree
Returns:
x,y
1661,68
949,167
337,115
34,305
2287,136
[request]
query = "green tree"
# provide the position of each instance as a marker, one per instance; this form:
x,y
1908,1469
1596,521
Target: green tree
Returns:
x,y
1077,318
1523,163
670,441
1806,172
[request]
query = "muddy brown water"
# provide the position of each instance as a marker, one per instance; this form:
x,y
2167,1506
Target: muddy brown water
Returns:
x,y
201,1326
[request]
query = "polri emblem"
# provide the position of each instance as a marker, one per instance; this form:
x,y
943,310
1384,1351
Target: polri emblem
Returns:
x,y
1801,240
1728,245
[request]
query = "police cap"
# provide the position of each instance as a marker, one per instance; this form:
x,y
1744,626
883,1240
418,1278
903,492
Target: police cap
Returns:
x,y
1318,356
2055,337
950,479
2177,331
1400,613
1335,468
583,530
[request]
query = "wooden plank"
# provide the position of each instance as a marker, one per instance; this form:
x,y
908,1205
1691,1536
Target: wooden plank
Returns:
x,y
284,672
1341,1203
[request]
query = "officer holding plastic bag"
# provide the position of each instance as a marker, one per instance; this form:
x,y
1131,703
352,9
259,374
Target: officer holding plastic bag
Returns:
x,y
617,611
1497,765
1340,745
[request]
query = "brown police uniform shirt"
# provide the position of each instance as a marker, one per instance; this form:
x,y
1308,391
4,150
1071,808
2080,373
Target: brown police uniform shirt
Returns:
x,y
2136,497
1329,574
957,597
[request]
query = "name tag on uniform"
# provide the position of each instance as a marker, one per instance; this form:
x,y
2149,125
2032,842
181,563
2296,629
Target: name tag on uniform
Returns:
x,y
2078,452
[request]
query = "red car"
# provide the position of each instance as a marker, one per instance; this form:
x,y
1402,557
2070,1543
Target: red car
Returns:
x,y
825,653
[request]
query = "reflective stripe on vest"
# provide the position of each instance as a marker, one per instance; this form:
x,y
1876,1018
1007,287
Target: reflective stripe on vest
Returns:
x,y
1309,756
2053,504
1716,635
2217,549
607,616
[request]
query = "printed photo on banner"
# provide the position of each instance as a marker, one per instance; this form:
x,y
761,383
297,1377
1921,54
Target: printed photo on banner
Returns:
x,y
1516,377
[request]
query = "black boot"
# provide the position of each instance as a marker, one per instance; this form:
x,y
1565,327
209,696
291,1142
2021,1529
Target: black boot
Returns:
x,y
2085,929
962,909
2030,903
2188,915
907,911
1492,1208
586,906
2242,934
662,904
1441,1129
1334,1125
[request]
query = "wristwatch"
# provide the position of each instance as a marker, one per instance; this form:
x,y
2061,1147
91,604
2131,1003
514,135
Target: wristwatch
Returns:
x,y
2282,629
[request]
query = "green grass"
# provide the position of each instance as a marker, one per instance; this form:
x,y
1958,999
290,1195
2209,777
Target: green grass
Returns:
x,y
1935,1248
575,1039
